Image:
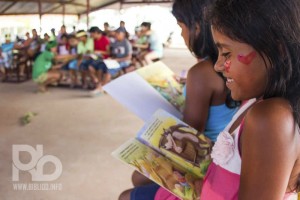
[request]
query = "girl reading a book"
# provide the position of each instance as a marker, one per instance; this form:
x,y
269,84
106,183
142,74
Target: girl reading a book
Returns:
x,y
209,107
257,155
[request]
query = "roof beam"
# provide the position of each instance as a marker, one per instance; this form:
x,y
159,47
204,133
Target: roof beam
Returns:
x,y
44,1
76,4
8,7
99,7
34,13
146,2
50,1
53,9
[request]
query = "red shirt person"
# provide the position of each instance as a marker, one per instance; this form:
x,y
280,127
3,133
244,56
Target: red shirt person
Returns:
x,y
101,42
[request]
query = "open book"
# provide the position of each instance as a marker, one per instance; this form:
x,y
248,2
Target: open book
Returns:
x,y
170,153
148,89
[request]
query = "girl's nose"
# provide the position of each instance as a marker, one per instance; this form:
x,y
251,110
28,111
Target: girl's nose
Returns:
x,y
219,66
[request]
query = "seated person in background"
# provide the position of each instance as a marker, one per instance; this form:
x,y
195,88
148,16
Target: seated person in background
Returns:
x,y
61,32
24,45
121,51
8,46
45,41
85,46
63,47
153,45
3,64
97,67
44,72
106,28
35,45
7,51
138,40
73,65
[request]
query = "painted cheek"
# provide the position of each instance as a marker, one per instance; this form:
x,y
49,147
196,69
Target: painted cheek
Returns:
x,y
227,65
248,58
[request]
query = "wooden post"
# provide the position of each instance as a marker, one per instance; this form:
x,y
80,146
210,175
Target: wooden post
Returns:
x,y
87,14
40,15
63,13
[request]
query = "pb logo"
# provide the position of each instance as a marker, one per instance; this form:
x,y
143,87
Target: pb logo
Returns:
x,y
36,166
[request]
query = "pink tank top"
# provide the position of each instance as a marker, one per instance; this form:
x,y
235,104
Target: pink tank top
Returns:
x,y
222,179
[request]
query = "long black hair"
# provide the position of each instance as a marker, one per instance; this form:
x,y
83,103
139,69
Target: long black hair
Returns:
x,y
191,13
272,28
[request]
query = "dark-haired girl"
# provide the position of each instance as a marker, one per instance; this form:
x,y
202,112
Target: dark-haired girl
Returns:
x,y
257,155
208,107
259,55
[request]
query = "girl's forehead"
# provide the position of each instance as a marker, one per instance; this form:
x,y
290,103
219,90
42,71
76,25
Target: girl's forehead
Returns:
x,y
222,41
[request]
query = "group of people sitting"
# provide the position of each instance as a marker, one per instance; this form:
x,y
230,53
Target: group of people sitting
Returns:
x,y
84,54
22,51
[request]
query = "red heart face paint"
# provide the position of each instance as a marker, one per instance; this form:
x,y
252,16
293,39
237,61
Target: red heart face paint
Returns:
x,y
248,58
227,65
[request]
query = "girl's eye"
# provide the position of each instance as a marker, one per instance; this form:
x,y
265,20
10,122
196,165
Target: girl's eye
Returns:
x,y
226,55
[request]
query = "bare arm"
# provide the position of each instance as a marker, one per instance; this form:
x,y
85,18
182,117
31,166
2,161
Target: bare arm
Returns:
x,y
101,52
198,96
142,46
268,151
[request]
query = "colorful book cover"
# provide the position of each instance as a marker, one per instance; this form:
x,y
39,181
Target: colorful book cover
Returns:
x,y
170,153
158,168
163,80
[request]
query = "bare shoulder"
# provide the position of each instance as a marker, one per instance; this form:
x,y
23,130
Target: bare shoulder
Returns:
x,y
272,120
202,72
271,136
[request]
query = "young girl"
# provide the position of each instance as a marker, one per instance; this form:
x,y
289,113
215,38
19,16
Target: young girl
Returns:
x,y
257,155
259,54
207,108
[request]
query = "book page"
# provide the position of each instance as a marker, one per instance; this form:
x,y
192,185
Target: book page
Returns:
x,y
111,64
161,170
138,96
164,81
177,141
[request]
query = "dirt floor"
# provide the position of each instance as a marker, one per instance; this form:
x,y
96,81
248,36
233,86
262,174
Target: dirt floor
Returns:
x,y
79,130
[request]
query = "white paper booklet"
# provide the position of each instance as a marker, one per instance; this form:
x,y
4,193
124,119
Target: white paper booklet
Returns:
x,y
148,89
111,64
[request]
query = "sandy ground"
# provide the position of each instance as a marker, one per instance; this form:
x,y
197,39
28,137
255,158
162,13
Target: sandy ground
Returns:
x,y
79,130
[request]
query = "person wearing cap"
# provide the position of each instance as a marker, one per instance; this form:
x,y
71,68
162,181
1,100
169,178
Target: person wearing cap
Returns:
x,y
85,46
97,67
101,42
121,51
44,72
153,46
